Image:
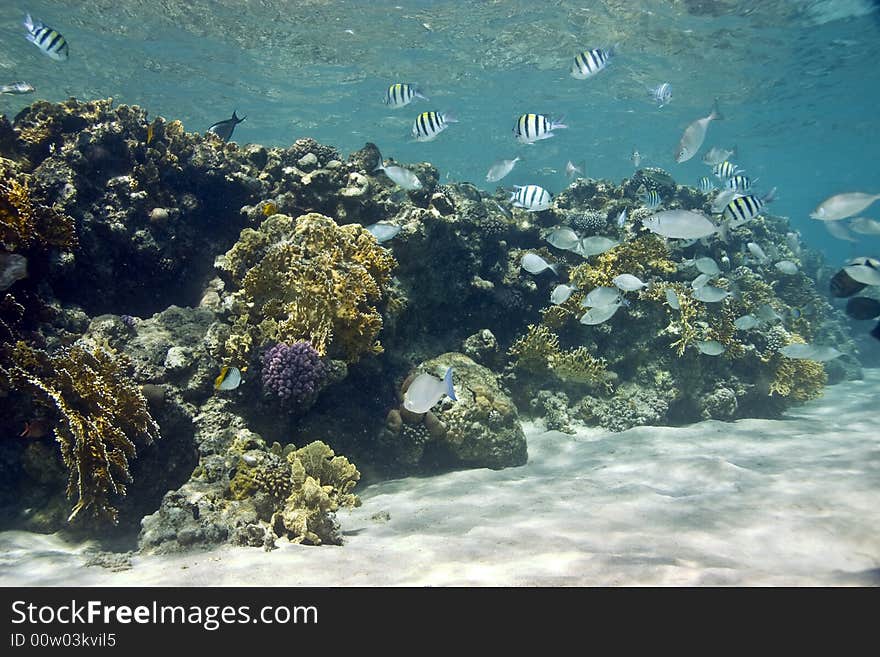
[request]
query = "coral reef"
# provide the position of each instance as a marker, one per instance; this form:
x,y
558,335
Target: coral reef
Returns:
x,y
293,373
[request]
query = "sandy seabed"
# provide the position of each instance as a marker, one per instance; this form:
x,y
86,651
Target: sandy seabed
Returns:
x,y
794,501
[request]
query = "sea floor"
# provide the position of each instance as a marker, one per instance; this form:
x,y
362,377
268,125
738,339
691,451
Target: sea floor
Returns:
x,y
754,502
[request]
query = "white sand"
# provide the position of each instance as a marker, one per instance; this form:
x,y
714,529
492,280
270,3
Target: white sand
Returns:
x,y
754,502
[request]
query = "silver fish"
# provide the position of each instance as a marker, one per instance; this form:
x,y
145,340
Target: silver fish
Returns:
x,y
841,206
401,94
601,296
426,390
680,224
786,267
710,294
700,281
621,218
672,299
838,230
710,347
636,158
599,314
382,231
694,135
864,226
662,94
500,169
707,266
563,238
16,88
400,176
535,264
594,245
793,242
723,198
820,353
224,129
628,282
863,274
757,251
561,293
766,314
746,322
717,155
571,170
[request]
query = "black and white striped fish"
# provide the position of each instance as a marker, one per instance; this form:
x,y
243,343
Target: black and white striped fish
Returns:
x,y
651,199
724,170
706,184
738,182
428,125
590,62
744,208
46,39
662,94
531,198
402,94
530,128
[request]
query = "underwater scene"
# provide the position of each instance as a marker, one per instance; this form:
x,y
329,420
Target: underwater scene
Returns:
x,y
413,293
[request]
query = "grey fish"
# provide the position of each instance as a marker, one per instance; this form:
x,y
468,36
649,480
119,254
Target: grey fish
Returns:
x,y
426,390
628,282
672,299
594,245
710,294
382,231
865,226
707,266
700,281
746,322
820,353
841,206
766,313
535,264
500,169
601,296
400,176
224,129
838,230
757,251
724,197
599,314
16,88
561,293
563,238
787,267
680,224
863,274
710,347
694,135
716,155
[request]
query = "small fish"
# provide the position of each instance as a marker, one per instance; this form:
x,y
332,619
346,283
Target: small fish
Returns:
x,y
800,351
399,176
599,314
680,224
707,266
561,293
621,218
563,238
864,226
151,132
628,282
793,242
428,125
36,428
662,94
766,314
710,294
601,296
229,378
717,155
842,206
590,62
742,209
725,170
746,322
426,390
16,88
500,169
863,308
401,94
757,251
787,267
672,299
839,231
224,129
571,170
269,208
531,198
46,39
710,347
694,135
738,182
636,158
530,128
700,281
650,199
383,231
535,264
594,245
706,184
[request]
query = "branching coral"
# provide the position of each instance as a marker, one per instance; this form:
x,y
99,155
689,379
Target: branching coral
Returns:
x,y
307,279
100,412
579,366
644,256
797,378
532,351
25,223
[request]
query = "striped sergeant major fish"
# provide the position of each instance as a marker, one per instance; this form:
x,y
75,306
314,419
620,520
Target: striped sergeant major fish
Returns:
x,y
739,182
742,209
46,39
650,199
662,94
531,198
402,94
530,128
706,184
589,62
428,125
724,170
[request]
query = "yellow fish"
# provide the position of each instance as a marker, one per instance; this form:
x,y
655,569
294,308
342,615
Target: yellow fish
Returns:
x,y
269,208
150,132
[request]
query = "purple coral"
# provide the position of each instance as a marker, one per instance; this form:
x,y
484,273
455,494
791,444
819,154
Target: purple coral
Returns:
x,y
293,372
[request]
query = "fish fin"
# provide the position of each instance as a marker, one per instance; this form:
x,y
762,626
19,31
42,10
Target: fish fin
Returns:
x,y
560,123
235,117
450,391
418,94
29,23
31,38
449,118
716,114
770,196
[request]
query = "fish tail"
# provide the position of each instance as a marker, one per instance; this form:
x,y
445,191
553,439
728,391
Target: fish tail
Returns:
x,y
29,23
716,114
381,163
770,196
450,391
449,118
560,123
418,94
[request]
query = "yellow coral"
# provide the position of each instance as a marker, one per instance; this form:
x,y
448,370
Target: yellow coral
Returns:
x,y
308,279
643,256
25,223
578,365
797,378
532,351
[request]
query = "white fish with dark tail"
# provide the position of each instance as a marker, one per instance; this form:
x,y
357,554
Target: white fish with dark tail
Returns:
x,y
599,314
746,322
399,176
787,267
427,390
725,170
571,170
46,39
382,231
224,129
428,125
706,184
650,199
757,251
628,282
839,231
842,206
535,264
864,226
707,265
710,294
694,135
716,155
680,224
561,293
590,62
401,94
662,94
710,347
672,299
500,169
530,128
601,296
594,245
563,238
531,198
801,351
742,209
16,88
